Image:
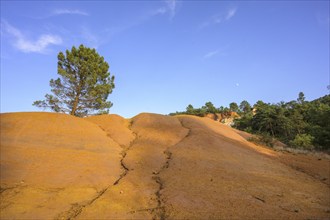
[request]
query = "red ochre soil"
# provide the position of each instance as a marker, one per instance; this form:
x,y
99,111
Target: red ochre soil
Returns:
x,y
56,166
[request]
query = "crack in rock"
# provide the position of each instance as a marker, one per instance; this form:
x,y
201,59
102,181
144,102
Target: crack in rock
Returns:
x,y
187,135
260,199
123,165
5,188
143,210
2,189
160,211
295,210
77,208
124,153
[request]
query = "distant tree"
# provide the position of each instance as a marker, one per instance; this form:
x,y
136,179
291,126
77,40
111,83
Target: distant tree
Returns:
x,y
317,118
200,111
226,110
297,120
245,106
190,110
210,107
244,123
301,98
83,86
259,104
220,109
233,107
264,120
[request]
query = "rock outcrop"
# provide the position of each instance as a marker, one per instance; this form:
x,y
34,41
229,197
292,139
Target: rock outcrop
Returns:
x,y
56,166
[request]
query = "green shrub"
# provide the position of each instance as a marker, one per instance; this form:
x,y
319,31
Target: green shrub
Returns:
x,y
262,139
303,141
248,130
267,139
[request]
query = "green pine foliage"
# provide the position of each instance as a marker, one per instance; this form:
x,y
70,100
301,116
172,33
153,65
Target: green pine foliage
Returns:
x,y
245,106
83,86
201,112
233,107
298,123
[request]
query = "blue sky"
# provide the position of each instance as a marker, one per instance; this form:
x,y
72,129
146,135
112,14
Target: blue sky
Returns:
x,y
168,54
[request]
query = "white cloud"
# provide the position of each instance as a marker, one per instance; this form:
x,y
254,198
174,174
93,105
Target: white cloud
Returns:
x,y
219,52
171,5
69,12
219,18
27,46
159,11
170,8
230,13
210,54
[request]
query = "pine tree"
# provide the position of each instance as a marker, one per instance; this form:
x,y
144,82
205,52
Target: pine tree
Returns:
x,y
210,107
233,107
245,107
190,110
301,98
83,86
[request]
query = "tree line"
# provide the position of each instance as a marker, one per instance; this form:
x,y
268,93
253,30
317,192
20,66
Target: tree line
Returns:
x,y
298,123
209,108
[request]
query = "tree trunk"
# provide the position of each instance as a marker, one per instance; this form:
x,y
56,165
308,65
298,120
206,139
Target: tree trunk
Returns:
x,y
75,105
76,100
271,129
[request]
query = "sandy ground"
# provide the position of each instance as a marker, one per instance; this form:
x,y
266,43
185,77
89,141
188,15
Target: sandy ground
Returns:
x,y
51,163
55,166
315,164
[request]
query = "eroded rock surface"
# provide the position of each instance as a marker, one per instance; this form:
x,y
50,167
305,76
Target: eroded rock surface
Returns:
x,y
55,166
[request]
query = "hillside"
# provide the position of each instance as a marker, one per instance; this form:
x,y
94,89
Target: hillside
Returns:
x,y
55,166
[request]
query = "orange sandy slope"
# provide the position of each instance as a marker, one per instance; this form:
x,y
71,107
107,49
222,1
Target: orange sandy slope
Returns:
x,y
55,166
